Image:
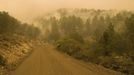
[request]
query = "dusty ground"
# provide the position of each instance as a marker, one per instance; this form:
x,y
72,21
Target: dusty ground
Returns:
x,y
45,60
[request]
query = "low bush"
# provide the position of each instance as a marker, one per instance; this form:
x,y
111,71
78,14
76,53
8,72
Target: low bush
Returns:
x,y
68,46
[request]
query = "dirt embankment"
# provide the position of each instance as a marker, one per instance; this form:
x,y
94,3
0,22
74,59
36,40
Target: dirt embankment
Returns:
x,y
13,49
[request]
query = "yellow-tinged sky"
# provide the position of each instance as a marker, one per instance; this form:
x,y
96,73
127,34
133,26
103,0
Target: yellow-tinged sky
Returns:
x,y
25,9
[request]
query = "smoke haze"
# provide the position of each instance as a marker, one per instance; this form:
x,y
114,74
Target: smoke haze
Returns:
x,y
27,9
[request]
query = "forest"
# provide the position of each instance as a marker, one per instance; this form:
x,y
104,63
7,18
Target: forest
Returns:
x,y
103,37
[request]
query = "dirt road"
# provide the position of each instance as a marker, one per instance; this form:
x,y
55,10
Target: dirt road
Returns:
x,y
47,61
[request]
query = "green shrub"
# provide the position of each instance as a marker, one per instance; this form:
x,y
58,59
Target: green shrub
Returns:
x,y
69,46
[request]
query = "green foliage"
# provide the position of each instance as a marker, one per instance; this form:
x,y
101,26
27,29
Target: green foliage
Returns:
x,y
71,24
76,36
54,34
12,34
69,46
107,39
101,38
130,31
113,47
9,25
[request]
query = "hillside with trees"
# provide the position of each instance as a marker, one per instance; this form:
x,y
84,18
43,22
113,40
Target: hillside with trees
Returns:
x,y
103,37
16,41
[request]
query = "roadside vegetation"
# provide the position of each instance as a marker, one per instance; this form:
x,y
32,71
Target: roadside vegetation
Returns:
x,y
103,37
16,40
